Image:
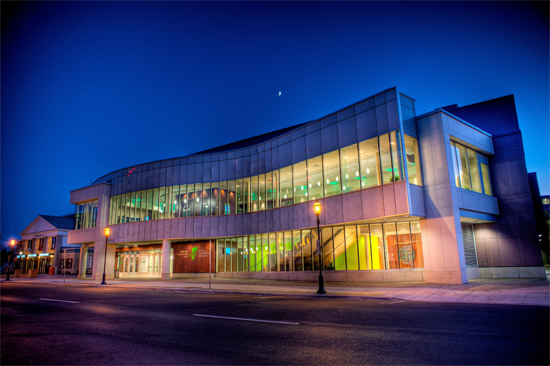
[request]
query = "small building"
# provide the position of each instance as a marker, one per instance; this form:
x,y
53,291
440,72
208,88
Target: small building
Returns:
x,y
41,245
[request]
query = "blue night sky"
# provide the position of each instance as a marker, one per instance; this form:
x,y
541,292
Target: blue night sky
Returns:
x,y
91,87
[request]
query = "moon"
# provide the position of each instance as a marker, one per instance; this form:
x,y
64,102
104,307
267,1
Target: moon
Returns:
x,y
279,93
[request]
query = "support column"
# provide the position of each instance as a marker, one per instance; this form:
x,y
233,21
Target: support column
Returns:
x,y
99,255
83,261
166,249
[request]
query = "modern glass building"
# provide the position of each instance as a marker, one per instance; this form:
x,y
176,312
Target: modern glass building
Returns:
x,y
438,197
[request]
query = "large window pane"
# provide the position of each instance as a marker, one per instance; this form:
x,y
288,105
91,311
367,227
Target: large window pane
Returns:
x,y
227,254
183,200
246,256
397,162
272,253
240,253
406,256
287,196
234,255
377,247
162,202
269,190
128,207
297,250
198,199
252,252
261,190
352,257
221,255
265,252
119,209
416,242
259,254
215,199
300,182
462,160
328,249
206,199
246,195
231,196
280,252
385,157
339,248
370,163
149,204
484,163
455,164
392,255
175,201
138,206
224,207
240,196
315,249
349,162
132,206
363,244
276,188
474,171
155,204
190,208
331,169
315,178
289,258
413,160
255,193
307,253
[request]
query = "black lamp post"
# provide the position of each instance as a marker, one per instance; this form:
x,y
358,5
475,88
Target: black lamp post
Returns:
x,y
107,231
10,257
317,207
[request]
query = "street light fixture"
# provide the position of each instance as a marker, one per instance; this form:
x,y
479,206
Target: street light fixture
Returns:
x,y
107,232
317,208
10,257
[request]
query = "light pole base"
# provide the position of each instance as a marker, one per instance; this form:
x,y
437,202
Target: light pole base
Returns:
x,y
103,282
321,290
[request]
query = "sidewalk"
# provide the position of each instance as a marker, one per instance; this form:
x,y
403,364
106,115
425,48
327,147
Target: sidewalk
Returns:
x,y
479,291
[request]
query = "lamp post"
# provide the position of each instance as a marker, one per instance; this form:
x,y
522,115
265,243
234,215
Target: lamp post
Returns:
x,y
107,231
10,257
317,207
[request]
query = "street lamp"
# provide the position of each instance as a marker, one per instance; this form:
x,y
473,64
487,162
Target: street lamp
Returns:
x,y
107,231
10,257
317,208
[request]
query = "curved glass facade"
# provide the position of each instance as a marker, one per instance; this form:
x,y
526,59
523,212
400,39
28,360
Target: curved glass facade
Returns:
x,y
366,164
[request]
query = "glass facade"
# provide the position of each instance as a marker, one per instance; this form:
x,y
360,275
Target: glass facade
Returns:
x,y
471,169
367,164
350,247
86,214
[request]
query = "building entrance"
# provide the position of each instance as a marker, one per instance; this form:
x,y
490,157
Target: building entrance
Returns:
x,y
146,262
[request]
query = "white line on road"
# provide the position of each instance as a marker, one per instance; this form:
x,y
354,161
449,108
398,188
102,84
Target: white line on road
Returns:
x,y
244,319
72,302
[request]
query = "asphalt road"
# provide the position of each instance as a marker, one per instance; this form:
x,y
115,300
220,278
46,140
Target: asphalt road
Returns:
x,y
130,327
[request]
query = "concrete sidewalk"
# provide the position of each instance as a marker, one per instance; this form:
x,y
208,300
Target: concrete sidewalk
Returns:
x,y
494,291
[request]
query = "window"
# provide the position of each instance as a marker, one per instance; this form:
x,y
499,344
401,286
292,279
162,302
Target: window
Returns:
x,y
315,178
155,204
349,162
328,249
397,162
287,196
162,202
231,198
471,169
54,242
352,257
300,182
269,190
215,199
206,199
197,199
41,244
331,169
255,193
86,215
276,188
370,163
262,197
413,160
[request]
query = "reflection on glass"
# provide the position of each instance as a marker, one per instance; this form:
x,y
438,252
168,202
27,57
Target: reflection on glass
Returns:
x,y
413,160
155,204
175,202
350,169
297,250
261,199
352,257
215,198
331,169
289,258
206,199
276,188
339,248
484,163
198,199
328,249
406,253
315,178
231,199
269,190
370,163
462,159
255,193
307,259
385,157
246,193
280,252
416,242
392,256
455,164
240,196
252,252
224,207
363,244
376,247
287,196
149,205
272,256
474,171
162,202
300,182
396,155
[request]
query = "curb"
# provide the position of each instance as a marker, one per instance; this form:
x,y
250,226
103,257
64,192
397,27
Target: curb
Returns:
x,y
222,292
